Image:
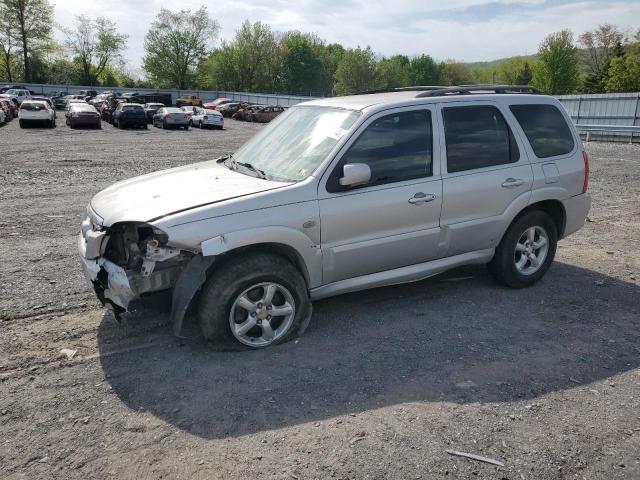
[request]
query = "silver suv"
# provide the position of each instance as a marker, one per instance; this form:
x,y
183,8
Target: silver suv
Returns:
x,y
343,194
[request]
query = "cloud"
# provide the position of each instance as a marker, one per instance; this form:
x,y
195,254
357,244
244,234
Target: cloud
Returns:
x,y
467,30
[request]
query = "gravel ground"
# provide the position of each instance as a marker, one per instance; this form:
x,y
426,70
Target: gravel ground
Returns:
x,y
546,380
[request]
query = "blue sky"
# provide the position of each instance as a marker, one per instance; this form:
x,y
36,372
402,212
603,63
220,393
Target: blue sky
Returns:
x,y
465,30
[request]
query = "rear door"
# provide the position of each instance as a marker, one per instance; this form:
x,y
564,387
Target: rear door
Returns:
x,y
392,221
486,171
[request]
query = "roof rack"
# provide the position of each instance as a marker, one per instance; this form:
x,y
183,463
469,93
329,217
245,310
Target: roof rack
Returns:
x,y
416,88
480,90
440,91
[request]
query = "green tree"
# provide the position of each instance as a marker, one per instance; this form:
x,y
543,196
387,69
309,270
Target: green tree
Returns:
x,y
32,21
8,42
174,45
95,44
624,69
556,71
302,70
514,71
455,73
393,72
599,47
423,70
250,62
356,71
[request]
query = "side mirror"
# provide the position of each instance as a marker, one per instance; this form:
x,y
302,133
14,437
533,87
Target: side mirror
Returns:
x,y
355,174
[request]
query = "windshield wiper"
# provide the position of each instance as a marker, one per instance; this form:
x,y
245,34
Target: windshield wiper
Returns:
x,y
233,165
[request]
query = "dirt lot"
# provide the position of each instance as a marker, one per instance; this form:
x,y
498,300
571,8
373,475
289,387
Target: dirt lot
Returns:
x,y
546,379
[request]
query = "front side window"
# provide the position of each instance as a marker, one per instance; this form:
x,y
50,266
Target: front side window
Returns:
x,y
396,147
545,128
477,137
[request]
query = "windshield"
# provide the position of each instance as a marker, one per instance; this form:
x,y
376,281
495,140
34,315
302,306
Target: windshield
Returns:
x,y
296,142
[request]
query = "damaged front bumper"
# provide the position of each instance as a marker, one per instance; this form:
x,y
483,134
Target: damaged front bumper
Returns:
x,y
116,287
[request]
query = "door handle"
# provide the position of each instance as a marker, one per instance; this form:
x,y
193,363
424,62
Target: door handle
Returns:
x,y
420,198
512,182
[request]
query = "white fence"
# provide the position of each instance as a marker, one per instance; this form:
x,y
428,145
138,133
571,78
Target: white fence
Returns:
x,y
611,109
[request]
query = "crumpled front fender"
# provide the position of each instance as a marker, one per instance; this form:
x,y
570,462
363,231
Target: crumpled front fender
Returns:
x,y
190,281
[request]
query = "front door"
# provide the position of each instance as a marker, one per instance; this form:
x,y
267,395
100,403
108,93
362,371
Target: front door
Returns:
x,y
393,220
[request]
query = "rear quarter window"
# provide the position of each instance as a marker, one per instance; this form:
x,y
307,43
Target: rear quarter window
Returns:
x,y
545,128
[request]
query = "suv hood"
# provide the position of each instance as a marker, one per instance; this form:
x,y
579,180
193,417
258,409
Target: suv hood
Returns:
x,y
158,194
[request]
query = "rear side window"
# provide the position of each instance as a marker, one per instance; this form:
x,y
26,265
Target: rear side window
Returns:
x,y
477,137
545,128
396,147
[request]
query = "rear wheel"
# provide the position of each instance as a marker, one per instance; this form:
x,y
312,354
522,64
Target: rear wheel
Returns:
x,y
164,124
526,250
254,301
22,124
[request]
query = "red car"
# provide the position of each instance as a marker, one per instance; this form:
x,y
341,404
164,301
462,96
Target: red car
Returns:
x,y
216,103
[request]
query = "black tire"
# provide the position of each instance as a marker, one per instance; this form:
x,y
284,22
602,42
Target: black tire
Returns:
x,y
503,265
21,123
145,126
164,125
235,276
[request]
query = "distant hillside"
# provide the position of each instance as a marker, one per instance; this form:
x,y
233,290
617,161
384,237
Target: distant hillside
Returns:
x,y
495,63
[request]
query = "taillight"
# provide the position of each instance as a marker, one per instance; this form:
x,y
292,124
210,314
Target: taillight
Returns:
x,y
186,116
166,115
585,184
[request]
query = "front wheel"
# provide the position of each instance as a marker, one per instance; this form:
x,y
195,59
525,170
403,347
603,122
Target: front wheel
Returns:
x,y
526,250
254,301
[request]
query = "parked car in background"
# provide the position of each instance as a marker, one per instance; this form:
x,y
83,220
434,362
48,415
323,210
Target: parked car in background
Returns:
x,y
150,110
17,95
36,111
5,88
170,117
217,102
228,109
189,99
264,114
9,108
208,119
83,115
244,114
189,110
45,99
158,97
73,101
129,115
87,94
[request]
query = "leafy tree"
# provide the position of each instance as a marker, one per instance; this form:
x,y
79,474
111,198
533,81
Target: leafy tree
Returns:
x,y
556,71
250,62
8,42
455,73
393,72
600,45
95,44
423,70
174,45
515,71
32,26
62,71
356,71
624,69
302,70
